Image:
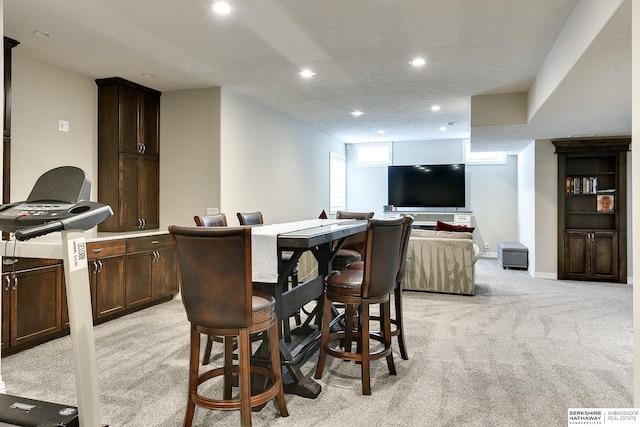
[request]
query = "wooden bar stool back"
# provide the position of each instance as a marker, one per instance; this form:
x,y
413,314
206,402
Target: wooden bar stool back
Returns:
x,y
352,247
358,290
217,220
397,320
216,287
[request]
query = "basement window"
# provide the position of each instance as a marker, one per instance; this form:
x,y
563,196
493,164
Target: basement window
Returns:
x,y
483,157
378,154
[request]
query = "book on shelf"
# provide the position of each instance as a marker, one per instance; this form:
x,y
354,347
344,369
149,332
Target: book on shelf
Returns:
x,y
581,185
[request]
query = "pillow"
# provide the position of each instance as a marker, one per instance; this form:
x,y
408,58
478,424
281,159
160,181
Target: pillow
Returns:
x,y
443,226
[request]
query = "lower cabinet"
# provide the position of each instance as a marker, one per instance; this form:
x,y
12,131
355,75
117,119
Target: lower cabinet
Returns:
x,y
106,277
125,275
591,255
32,292
151,269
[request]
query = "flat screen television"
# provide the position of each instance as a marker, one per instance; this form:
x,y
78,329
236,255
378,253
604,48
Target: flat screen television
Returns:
x,y
427,186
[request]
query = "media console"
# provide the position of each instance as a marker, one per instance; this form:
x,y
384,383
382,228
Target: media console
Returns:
x,y
428,220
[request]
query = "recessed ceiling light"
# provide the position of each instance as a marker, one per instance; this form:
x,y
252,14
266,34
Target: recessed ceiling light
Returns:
x,y
148,75
435,108
380,132
221,8
443,128
41,33
417,62
307,73
357,113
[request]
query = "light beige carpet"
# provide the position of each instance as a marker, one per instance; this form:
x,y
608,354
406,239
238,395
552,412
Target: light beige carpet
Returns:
x,y
518,353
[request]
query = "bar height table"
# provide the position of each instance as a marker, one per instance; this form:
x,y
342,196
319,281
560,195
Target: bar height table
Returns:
x,y
320,241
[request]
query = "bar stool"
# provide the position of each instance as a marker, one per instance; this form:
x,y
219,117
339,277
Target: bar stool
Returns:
x,y
215,270
397,322
360,289
351,250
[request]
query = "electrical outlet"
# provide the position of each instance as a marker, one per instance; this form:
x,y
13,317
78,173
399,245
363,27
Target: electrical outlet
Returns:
x,y
212,211
63,125
486,245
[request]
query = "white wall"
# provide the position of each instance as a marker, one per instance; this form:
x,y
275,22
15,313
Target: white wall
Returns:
x,y
526,202
42,95
491,189
189,155
272,163
546,210
218,149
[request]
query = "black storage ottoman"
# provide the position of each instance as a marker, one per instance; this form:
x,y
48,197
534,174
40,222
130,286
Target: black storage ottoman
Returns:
x,y
513,254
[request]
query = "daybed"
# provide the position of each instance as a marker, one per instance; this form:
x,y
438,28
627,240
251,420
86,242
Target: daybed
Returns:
x,y
441,261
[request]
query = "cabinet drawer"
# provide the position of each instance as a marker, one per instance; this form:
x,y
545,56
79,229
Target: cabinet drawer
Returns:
x,y
462,218
106,248
149,243
10,264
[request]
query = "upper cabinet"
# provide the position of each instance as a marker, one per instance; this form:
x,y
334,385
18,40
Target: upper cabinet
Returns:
x,y
592,208
128,154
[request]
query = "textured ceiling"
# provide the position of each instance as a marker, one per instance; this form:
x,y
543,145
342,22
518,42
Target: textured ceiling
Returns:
x,y
360,51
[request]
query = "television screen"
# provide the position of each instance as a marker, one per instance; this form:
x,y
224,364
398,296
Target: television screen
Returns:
x,y
427,186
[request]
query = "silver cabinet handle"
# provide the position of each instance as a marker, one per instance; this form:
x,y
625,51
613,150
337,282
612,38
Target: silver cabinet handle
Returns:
x,y
8,280
15,282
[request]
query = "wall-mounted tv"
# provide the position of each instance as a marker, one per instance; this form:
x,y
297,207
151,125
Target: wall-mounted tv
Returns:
x,y
427,186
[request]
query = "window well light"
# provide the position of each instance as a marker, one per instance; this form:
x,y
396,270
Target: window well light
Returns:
x,y
221,8
417,62
357,113
307,73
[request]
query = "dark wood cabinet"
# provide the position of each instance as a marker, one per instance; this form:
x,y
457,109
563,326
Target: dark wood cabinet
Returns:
x,y
151,269
106,277
128,154
32,302
592,208
592,255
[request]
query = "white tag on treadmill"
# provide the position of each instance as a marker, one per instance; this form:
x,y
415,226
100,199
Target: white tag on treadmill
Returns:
x,y
77,254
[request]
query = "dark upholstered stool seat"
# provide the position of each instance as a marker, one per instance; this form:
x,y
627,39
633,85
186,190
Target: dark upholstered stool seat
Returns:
x,y
345,282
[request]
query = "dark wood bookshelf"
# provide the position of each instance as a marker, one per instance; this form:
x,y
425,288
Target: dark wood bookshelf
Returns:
x,y
592,242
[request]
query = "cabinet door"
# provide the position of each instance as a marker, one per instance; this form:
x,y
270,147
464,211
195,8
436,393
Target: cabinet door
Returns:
x,y
148,190
138,279
108,286
128,215
576,263
129,119
6,310
150,124
165,274
35,304
604,255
